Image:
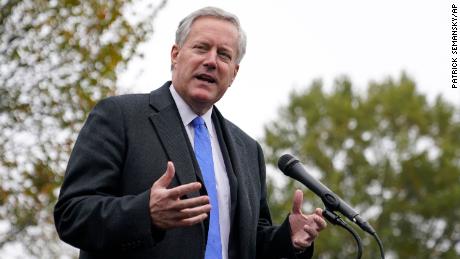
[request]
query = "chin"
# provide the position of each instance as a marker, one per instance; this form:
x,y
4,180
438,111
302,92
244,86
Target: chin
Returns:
x,y
204,99
202,93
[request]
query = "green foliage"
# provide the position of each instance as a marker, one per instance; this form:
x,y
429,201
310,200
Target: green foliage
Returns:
x,y
57,59
389,152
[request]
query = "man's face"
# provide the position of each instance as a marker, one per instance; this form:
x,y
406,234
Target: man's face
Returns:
x,y
204,67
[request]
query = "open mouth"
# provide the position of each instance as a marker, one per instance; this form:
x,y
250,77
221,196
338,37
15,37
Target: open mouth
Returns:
x,y
206,78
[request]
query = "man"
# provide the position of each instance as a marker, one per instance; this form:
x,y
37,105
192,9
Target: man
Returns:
x,y
164,175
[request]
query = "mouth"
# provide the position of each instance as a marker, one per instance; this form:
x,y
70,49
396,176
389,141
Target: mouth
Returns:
x,y
206,78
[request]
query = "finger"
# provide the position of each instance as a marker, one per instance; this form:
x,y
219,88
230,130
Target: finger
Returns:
x,y
167,177
172,217
191,202
168,222
193,212
192,221
181,190
311,231
320,222
297,202
319,212
301,244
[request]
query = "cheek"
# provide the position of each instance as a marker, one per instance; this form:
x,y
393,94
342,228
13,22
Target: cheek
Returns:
x,y
184,72
227,74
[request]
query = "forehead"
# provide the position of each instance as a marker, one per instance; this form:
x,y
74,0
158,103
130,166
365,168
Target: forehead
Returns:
x,y
212,28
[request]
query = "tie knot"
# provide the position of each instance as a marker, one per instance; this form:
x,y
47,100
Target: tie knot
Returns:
x,y
197,121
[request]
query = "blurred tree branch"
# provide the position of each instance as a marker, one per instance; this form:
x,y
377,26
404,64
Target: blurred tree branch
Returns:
x,y
388,151
57,59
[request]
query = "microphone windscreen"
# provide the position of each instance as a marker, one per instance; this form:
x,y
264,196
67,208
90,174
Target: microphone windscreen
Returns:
x,y
285,161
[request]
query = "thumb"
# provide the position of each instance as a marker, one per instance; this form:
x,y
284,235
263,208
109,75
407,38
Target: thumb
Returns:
x,y
297,203
167,177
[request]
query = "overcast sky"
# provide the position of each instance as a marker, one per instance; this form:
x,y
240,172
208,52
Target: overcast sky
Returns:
x,y
291,43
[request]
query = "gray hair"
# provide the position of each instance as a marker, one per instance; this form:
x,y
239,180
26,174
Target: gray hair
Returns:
x,y
183,29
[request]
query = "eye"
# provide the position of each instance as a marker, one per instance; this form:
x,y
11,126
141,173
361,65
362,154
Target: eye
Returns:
x,y
225,55
200,47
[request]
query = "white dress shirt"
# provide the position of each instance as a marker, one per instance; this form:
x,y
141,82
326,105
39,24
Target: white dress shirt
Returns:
x,y
223,187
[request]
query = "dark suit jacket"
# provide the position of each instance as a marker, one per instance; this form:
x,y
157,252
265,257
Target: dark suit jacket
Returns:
x,y
123,148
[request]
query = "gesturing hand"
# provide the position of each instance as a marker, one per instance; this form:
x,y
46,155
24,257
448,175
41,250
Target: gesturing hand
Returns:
x,y
168,210
304,228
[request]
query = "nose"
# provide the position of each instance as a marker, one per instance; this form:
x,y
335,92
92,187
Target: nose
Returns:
x,y
210,61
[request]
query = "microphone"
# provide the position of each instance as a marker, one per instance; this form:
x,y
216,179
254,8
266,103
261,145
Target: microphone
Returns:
x,y
291,167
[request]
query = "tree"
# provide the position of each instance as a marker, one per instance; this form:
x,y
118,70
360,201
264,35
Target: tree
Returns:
x,y
389,152
57,59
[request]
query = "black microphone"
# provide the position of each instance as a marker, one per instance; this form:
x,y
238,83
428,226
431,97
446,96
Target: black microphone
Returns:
x,y
291,167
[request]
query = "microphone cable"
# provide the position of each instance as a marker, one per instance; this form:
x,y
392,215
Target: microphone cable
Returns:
x,y
336,220
379,242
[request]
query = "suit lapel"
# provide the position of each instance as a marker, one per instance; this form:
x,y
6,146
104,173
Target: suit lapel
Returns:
x,y
241,210
168,125
231,173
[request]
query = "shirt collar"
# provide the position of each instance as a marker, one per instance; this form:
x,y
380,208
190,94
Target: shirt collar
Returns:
x,y
186,113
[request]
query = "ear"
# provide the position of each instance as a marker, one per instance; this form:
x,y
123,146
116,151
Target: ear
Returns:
x,y
174,54
235,72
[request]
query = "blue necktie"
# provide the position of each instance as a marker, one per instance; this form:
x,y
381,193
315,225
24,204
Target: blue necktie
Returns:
x,y
203,153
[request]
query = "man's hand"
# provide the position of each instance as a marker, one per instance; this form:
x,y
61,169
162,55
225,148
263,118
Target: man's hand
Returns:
x,y
168,210
304,228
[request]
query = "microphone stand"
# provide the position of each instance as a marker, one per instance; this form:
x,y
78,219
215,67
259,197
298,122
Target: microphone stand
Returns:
x,y
336,220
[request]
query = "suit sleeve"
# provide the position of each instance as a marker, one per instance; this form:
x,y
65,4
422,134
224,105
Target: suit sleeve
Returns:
x,y
273,241
91,213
